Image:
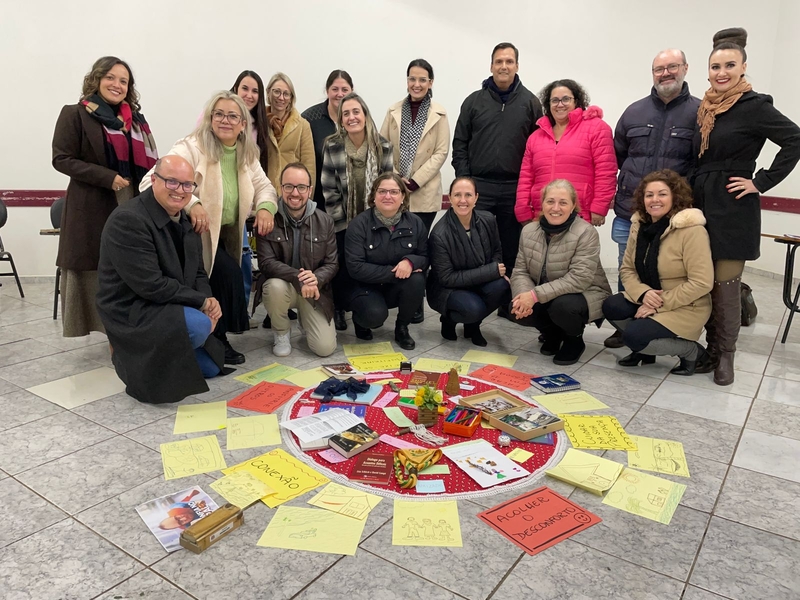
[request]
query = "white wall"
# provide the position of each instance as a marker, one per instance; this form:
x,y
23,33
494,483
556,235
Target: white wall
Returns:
x,y
182,51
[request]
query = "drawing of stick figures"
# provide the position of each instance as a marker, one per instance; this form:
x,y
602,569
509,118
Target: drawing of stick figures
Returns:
x,y
413,528
444,530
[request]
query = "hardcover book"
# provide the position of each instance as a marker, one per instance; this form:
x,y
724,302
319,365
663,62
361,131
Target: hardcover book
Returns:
x,y
373,467
343,370
354,440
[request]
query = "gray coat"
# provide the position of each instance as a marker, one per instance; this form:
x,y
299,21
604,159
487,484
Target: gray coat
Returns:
x,y
141,294
573,265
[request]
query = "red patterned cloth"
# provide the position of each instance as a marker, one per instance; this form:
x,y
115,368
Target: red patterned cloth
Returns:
x,y
457,482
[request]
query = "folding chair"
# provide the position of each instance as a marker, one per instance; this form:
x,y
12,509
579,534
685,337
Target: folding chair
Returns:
x,y
6,256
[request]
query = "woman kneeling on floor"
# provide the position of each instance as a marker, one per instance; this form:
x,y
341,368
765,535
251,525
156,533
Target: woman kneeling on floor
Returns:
x,y
558,284
667,274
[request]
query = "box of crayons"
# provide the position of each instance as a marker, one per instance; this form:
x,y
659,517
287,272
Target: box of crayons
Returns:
x,y
462,421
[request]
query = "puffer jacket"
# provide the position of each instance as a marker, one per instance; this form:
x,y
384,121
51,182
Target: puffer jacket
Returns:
x,y
584,156
650,136
573,265
684,268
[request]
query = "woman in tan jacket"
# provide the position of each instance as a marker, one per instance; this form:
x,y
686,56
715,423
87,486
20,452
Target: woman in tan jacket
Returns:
x,y
558,284
667,274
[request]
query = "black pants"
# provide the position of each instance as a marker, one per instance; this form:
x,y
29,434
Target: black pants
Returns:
x,y
473,305
371,302
428,218
565,315
226,285
499,198
342,284
637,333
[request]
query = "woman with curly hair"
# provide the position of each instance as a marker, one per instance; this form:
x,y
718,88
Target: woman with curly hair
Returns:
x,y
573,143
104,145
667,274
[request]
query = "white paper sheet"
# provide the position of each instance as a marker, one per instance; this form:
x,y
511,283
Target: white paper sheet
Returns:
x,y
322,425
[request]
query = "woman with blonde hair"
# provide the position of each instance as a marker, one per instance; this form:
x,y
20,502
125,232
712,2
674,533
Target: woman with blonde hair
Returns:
x,y
230,185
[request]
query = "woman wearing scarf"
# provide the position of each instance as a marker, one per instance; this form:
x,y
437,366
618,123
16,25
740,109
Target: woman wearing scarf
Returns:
x,y
667,274
468,279
558,282
353,158
230,186
104,145
734,124
387,255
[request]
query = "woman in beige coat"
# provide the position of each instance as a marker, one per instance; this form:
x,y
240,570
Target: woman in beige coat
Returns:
x,y
230,185
558,284
667,274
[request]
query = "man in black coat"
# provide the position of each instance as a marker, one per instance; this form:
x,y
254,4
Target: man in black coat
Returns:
x,y
153,297
489,142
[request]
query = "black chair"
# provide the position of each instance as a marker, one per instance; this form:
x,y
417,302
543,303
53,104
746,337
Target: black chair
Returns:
x,y
6,256
55,219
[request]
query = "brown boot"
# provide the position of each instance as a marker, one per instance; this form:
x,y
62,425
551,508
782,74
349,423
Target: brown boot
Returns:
x,y
727,300
710,360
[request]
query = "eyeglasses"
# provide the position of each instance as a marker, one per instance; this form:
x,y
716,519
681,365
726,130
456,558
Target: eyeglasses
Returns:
x,y
673,68
565,100
174,184
288,188
282,94
420,80
384,192
220,116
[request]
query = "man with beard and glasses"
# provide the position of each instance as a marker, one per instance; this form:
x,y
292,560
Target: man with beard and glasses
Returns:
x,y
653,133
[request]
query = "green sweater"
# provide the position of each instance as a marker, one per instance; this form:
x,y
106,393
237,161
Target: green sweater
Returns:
x,y
230,188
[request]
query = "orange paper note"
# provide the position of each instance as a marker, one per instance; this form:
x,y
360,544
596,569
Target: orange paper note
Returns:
x,y
539,519
264,397
516,380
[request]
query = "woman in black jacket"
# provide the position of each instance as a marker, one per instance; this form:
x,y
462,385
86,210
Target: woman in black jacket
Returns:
x,y
468,279
734,124
386,249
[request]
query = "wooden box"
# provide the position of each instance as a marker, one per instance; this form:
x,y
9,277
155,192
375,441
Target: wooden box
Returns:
x,y
495,405
210,529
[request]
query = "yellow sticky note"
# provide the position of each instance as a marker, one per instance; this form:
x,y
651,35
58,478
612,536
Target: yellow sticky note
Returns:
x,y
241,488
436,470
490,358
308,378
345,501
437,365
587,471
519,455
351,350
426,524
645,495
661,456
272,373
385,381
596,432
252,432
485,425
191,457
192,418
404,393
378,362
397,416
312,530
569,402
282,472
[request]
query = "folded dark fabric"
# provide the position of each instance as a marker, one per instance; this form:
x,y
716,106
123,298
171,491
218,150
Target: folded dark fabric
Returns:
x,y
337,387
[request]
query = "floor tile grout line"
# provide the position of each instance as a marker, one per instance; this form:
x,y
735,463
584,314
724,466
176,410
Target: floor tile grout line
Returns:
x,y
321,573
505,576
146,569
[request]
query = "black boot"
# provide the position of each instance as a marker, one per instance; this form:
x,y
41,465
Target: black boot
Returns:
x,y
614,340
634,358
267,323
449,329
571,350
339,320
402,337
688,367
552,342
473,332
232,357
419,316
362,333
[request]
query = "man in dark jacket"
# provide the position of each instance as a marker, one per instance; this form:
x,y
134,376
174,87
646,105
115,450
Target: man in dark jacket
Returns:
x,y
489,142
298,260
153,295
653,133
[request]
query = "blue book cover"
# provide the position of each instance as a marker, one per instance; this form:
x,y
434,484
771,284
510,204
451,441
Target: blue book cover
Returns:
x,y
555,383
358,410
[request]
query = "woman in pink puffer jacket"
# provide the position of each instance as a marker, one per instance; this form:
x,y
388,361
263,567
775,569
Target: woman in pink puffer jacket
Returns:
x,y
574,143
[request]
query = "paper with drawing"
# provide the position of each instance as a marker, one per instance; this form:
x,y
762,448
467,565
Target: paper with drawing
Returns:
x,y
191,457
484,463
426,524
661,456
241,488
192,418
645,495
345,501
592,473
312,530
252,432
596,432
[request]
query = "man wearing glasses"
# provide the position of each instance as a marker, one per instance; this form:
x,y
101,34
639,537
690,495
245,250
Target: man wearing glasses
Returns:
x,y
153,293
298,260
653,133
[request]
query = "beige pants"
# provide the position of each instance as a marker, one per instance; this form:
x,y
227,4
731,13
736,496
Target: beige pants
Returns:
x,y
279,297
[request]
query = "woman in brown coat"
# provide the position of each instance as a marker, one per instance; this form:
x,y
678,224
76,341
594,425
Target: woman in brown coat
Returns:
x,y
104,145
667,274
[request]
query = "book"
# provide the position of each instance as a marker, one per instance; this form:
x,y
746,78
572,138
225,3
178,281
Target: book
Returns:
x,y
375,468
586,471
419,378
318,444
366,398
354,440
169,515
358,410
528,419
343,370
550,384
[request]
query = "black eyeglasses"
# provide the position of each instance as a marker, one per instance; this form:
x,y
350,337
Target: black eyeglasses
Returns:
x,y
174,184
565,100
288,188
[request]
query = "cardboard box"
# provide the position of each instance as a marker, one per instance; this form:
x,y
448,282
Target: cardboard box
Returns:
x,y
211,529
496,404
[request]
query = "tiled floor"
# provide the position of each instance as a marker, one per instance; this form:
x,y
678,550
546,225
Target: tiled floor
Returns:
x,y
77,456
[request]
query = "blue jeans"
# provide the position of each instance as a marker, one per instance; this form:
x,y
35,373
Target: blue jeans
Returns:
x,y
199,327
474,304
620,231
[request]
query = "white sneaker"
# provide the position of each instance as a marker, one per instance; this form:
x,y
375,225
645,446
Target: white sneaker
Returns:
x,y
282,345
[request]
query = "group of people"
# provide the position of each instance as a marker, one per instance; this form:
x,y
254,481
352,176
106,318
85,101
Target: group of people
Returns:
x,y
344,212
